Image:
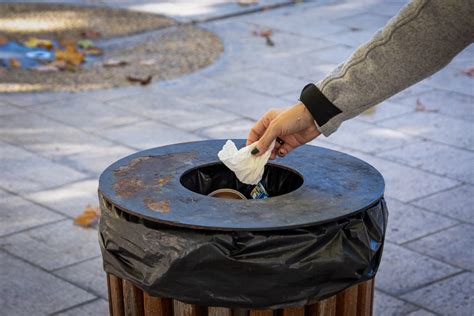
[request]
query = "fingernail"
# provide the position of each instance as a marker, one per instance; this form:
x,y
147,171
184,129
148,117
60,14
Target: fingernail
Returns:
x,y
282,153
255,151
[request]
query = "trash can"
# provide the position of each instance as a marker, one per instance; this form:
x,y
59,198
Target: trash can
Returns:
x,y
312,248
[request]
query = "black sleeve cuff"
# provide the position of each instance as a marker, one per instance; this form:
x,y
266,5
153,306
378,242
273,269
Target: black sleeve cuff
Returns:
x,y
318,105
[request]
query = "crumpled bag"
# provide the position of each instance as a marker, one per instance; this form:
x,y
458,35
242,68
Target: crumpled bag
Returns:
x,y
247,167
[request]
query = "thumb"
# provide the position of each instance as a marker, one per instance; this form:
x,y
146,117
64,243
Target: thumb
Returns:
x,y
265,141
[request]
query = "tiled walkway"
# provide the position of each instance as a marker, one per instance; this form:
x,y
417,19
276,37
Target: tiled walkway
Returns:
x,y
53,146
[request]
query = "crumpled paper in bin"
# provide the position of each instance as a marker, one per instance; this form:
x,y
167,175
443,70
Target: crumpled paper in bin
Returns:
x,y
247,167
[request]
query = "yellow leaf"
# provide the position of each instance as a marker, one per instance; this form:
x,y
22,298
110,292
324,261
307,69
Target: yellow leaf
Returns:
x,y
70,55
33,42
88,217
15,63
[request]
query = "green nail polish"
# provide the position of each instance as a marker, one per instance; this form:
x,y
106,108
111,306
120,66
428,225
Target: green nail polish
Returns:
x,y
255,151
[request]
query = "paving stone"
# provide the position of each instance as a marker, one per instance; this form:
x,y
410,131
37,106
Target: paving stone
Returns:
x,y
17,214
87,114
434,126
175,111
365,21
421,312
335,54
70,199
232,130
403,270
27,290
53,246
114,93
6,109
239,101
383,111
98,307
452,296
453,245
412,90
148,134
388,305
29,99
407,222
386,9
23,171
368,138
448,103
268,82
353,38
406,183
438,158
456,203
452,78
88,275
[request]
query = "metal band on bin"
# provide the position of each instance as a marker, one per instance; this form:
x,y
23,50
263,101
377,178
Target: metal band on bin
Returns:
x,y
318,105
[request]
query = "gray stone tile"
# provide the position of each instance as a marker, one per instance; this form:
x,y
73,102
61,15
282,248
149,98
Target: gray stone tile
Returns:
x,y
386,9
412,90
383,111
114,93
98,307
403,270
239,101
429,125
6,109
17,214
25,172
453,245
335,54
35,98
53,246
26,290
353,38
368,138
438,158
406,183
89,275
148,134
452,78
70,199
365,21
87,114
267,82
421,312
452,296
388,305
233,130
456,203
407,222
184,114
447,103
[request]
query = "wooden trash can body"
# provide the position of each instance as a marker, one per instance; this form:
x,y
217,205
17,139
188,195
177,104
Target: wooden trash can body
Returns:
x,y
127,299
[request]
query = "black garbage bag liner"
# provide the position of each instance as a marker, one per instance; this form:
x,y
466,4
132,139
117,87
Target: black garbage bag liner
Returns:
x,y
264,269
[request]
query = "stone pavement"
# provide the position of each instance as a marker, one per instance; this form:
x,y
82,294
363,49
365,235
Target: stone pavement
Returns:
x,y
54,146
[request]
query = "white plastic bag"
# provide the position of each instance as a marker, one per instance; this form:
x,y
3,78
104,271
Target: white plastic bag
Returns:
x,y
247,167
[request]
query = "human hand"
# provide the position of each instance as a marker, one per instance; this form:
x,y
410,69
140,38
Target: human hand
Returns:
x,y
295,126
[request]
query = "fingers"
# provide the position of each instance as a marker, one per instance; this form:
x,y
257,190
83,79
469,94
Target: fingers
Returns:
x,y
284,150
266,140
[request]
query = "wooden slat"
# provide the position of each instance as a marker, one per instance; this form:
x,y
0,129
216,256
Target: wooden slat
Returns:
x,y
346,302
219,311
111,312
325,307
132,299
261,312
292,311
365,296
156,306
116,295
183,309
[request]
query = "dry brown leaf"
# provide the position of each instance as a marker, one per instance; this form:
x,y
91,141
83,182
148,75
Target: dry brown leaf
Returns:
x,y
469,72
15,63
115,63
89,217
70,55
420,107
141,80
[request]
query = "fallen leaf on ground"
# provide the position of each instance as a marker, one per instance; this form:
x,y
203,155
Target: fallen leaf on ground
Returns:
x,y
70,55
141,80
85,43
469,72
66,42
269,41
95,51
90,34
3,40
15,63
34,42
115,63
89,217
265,33
420,107
244,3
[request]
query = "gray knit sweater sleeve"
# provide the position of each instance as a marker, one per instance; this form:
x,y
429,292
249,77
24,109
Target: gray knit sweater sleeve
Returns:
x,y
419,41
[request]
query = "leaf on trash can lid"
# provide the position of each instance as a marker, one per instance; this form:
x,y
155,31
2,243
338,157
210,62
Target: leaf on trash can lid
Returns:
x,y
469,72
34,42
15,63
88,217
141,80
420,107
115,63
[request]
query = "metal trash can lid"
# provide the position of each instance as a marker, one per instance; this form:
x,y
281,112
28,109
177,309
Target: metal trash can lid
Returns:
x,y
147,184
